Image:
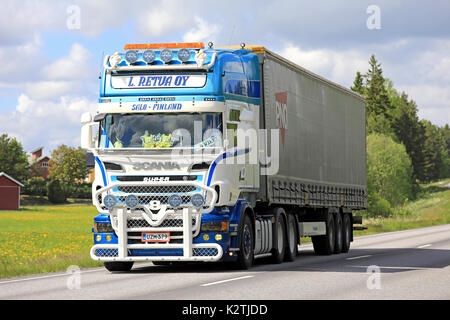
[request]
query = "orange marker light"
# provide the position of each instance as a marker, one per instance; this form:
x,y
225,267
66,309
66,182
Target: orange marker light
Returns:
x,y
180,45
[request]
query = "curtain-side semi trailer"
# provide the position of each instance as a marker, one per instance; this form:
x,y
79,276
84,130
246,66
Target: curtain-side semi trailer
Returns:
x,y
221,154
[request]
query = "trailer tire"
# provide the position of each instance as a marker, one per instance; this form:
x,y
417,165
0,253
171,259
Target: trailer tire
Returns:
x,y
347,232
279,238
324,245
292,239
246,245
124,266
338,231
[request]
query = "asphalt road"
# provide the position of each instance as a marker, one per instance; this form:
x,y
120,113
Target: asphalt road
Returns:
x,y
412,264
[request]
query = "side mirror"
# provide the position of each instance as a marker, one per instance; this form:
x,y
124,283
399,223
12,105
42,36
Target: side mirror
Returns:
x,y
86,131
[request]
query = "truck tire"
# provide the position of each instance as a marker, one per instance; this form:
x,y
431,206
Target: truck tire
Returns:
x,y
324,245
246,245
292,239
279,238
347,232
119,266
338,231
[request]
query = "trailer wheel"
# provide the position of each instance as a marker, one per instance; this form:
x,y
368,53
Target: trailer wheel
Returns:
x,y
338,230
324,245
292,238
279,238
347,232
119,266
246,247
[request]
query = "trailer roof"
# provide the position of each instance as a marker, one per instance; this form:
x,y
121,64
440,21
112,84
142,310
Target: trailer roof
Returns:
x,y
262,50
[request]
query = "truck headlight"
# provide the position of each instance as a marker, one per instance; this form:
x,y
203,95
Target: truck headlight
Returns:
x,y
221,226
101,227
131,200
174,201
197,200
109,201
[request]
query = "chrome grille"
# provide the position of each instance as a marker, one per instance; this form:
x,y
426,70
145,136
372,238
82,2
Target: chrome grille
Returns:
x,y
157,189
167,223
161,199
204,252
106,253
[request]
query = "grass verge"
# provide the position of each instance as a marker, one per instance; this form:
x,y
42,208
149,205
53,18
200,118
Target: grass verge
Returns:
x,y
432,208
45,239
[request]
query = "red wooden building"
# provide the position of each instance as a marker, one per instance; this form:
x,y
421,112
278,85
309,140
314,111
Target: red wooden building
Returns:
x,y
9,192
39,162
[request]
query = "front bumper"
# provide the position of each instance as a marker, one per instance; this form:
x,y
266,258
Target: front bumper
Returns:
x,y
124,220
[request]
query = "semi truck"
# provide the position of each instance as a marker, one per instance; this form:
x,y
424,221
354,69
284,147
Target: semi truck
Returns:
x,y
206,154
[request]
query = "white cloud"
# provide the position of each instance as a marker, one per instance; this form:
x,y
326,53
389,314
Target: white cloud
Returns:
x,y
77,65
164,18
338,66
51,89
23,61
202,31
38,122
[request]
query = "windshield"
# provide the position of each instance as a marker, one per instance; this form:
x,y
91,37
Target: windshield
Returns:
x,y
202,130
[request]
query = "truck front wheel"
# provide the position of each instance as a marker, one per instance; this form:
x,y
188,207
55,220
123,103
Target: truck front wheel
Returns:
x,y
119,266
245,257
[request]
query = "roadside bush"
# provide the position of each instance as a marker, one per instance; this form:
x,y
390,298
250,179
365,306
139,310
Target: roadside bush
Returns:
x,y
389,170
55,192
36,186
81,191
377,206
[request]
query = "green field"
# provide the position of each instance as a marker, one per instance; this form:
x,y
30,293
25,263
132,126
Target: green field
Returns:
x,y
45,239
39,239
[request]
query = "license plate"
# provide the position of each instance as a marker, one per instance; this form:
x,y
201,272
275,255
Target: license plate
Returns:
x,y
155,236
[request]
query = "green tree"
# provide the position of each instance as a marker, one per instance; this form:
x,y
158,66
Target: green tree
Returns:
x,y
358,84
409,131
389,170
436,163
68,165
13,160
377,99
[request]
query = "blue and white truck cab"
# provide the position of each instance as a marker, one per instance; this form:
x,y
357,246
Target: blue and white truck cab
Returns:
x,y
177,180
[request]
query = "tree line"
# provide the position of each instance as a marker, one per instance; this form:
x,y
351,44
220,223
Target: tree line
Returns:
x,y
67,171
402,151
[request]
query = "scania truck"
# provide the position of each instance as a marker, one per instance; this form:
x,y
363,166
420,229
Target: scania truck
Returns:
x,y
229,154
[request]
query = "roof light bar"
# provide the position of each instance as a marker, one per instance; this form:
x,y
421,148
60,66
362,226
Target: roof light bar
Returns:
x,y
179,45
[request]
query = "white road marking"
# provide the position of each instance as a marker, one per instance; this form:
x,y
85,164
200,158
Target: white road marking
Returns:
x,y
397,268
49,276
359,257
65,274
222,281
424,246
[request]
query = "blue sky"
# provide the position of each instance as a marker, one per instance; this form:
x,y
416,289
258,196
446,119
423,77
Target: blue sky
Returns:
x,y
50,72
